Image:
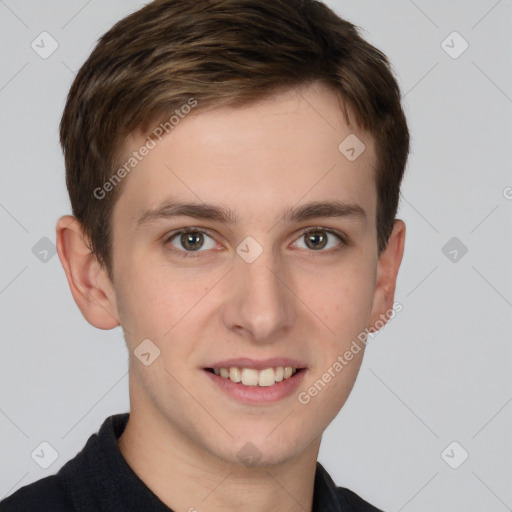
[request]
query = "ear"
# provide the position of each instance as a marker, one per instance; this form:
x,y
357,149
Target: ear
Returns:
x,y
387,271
88,280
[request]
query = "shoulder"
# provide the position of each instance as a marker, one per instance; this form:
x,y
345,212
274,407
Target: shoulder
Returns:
x,y
331,497
355,502
43,495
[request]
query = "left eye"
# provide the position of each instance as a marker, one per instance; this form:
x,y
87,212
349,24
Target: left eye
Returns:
x,y
318,239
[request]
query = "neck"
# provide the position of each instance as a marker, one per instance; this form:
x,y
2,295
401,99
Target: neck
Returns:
x,y
187,477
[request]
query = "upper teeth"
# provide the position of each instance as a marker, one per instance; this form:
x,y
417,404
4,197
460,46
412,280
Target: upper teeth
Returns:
x,y
252,377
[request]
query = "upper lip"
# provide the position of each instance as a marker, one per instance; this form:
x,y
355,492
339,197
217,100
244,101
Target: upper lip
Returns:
x,y
258,364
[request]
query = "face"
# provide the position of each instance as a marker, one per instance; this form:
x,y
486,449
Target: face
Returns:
x,y
278,267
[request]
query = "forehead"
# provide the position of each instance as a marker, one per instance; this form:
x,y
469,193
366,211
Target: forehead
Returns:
x,y
256,160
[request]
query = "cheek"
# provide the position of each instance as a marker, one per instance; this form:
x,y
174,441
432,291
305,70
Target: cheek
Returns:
x,y
342,299
340,295
155,301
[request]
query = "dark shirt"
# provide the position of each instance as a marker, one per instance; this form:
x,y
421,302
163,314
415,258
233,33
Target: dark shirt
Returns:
x,y
98,478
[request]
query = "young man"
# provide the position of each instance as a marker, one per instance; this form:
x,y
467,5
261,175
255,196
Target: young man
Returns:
x,y
234,170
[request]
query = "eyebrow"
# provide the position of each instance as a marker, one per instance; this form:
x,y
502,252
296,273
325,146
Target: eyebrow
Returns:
x,y
205,211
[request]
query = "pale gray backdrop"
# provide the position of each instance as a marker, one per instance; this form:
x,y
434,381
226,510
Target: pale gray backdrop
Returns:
x,y
438,374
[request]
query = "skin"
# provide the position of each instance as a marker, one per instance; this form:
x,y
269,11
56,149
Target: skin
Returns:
x,y
293,301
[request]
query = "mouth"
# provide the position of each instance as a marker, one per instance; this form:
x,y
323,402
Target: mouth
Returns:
x,y
253,377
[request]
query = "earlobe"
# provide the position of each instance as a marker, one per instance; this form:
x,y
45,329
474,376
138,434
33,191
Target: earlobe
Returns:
x,y
88,281
387,271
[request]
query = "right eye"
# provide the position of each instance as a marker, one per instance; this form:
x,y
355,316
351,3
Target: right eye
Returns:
x,y
190,240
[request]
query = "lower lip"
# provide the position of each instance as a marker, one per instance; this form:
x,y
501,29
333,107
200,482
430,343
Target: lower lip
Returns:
x,y
257,395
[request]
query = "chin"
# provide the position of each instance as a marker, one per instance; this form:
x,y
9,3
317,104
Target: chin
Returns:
x,y
264,447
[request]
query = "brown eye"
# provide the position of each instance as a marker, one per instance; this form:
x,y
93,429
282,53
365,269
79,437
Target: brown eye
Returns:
x,y
191,241
320,240
316,239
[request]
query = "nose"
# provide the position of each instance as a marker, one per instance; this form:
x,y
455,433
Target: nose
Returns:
x,y
260,303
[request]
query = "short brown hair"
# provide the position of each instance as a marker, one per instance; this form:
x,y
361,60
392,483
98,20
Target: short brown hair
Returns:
x,y
220,52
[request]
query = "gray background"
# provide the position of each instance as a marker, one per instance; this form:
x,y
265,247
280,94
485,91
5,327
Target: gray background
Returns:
x,y
438,373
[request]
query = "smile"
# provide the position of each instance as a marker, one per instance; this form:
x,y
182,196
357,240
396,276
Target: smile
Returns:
x,y
252,377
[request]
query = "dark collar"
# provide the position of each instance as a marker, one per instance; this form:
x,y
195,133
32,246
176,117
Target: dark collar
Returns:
x,y
100,474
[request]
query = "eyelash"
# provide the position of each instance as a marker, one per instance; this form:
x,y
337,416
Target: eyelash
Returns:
x,y
194,254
